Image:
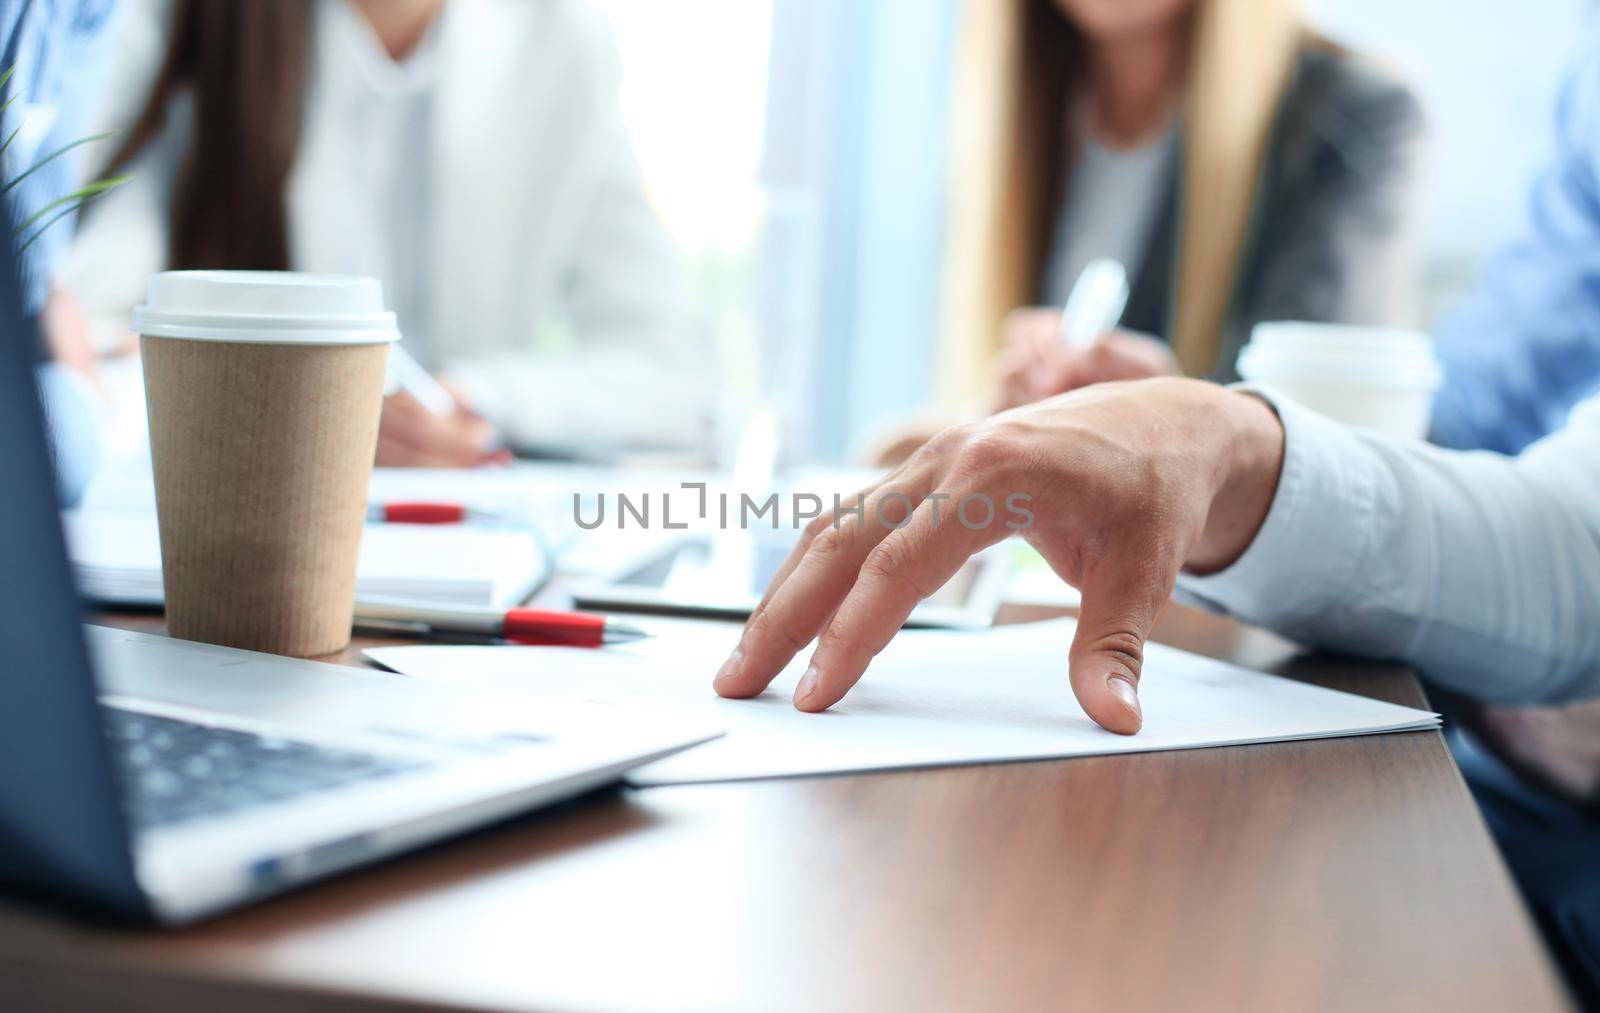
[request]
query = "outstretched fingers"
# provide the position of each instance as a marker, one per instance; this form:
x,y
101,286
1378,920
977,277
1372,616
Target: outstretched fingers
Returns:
x,y
801,599
910,564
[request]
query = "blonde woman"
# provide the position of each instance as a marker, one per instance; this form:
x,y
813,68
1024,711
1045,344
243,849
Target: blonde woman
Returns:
x,y
1239,166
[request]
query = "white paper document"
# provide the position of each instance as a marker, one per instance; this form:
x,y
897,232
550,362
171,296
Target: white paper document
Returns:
x,y
931,698
116,559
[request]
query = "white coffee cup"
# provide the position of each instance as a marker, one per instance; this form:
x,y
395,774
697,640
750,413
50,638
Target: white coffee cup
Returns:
x,y
1376,378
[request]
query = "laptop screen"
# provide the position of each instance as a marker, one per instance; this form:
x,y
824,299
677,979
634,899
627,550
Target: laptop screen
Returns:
x,y
61,829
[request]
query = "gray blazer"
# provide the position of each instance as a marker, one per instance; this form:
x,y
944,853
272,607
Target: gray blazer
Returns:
x,y
1332,234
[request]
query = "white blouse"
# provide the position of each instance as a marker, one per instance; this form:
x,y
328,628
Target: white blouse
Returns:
x,y
362,217
1113,199
490,183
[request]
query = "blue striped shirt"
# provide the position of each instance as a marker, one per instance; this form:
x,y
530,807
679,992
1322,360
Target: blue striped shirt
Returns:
x,y
55,50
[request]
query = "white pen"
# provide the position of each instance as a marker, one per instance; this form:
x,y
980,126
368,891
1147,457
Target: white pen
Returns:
x,y
1098,298
406,374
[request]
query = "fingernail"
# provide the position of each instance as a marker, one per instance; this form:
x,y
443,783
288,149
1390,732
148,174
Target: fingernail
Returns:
x,y
730,668
1124,691
807,685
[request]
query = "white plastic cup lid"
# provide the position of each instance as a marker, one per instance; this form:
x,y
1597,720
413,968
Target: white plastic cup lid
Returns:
x,y
1338,353
266,307
1354,339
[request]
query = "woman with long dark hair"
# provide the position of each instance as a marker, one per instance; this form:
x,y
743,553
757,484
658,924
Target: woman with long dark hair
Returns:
x,y
470,154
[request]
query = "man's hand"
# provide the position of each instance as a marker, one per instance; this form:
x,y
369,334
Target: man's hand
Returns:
x,y
1118,487
1036,364
410,436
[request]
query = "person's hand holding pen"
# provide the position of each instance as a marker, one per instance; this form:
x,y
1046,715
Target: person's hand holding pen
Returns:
x,y
1035,364
1117,505
411,436
426,424
1049,352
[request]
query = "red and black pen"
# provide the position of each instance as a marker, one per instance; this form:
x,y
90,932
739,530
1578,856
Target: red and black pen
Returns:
x,y
518,625
420,512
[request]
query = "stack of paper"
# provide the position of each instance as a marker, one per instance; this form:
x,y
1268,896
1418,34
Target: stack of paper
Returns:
x,y
116,558
931,698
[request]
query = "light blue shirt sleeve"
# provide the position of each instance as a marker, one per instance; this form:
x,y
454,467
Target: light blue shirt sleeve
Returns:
x,y
1524,348
1480,569
57,51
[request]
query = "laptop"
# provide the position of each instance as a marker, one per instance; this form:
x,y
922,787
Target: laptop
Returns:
x,y
155,779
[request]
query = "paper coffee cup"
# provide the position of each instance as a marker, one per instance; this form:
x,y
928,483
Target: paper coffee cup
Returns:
x,y
264,391
1376,378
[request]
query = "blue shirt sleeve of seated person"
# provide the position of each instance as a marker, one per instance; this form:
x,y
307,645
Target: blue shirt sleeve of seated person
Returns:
x,y
1525,346
55,52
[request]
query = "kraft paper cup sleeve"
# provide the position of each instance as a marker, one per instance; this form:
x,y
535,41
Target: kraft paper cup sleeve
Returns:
x,y
262,454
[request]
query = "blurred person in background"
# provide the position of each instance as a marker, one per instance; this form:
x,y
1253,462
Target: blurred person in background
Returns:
x,y
470,154
1239,166
1519,353
50,52
1524,347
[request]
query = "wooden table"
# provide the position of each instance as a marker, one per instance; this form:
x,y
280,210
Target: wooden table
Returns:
x,y
1343,874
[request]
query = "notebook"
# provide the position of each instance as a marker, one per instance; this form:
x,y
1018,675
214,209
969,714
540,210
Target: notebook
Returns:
x,y
116,560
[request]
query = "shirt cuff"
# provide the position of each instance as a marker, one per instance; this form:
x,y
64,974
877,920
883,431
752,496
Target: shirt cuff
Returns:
x,y
1317,531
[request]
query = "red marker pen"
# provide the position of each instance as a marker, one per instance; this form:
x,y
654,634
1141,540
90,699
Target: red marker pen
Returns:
x,y
519,625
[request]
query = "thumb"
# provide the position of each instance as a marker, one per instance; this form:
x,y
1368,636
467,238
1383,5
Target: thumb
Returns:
x,y
1121,600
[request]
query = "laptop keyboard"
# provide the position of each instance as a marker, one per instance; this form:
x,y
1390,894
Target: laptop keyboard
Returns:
x,y
174,771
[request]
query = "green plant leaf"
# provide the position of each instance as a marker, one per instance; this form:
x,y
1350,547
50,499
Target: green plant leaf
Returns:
x,y
64,212
83,194
14,133
46,160
7,105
